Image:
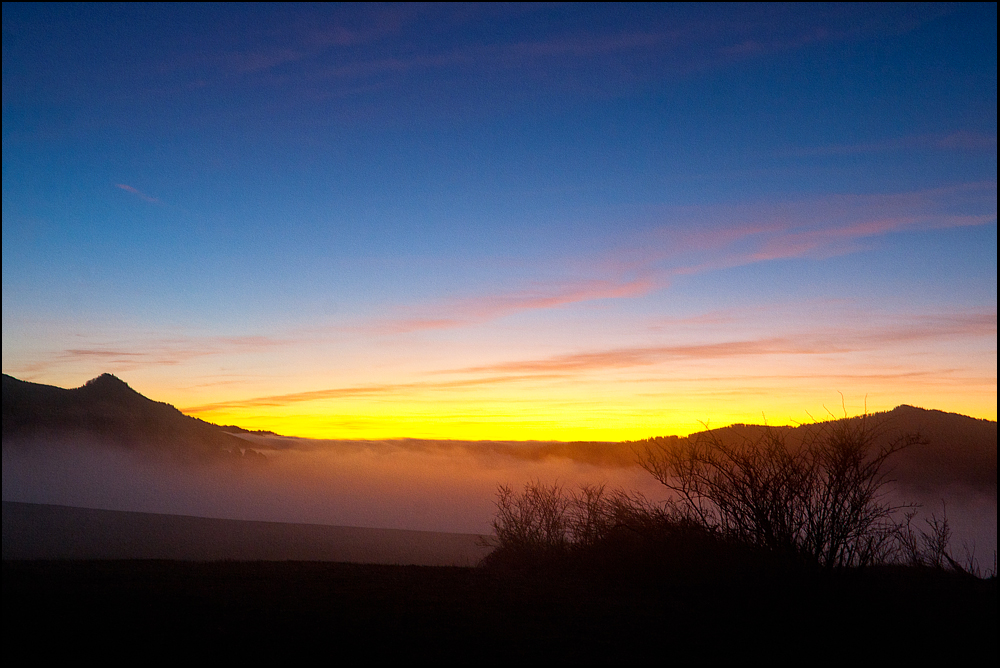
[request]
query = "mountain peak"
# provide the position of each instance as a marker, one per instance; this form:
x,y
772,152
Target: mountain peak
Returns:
x,y
109,387
107,411
106,380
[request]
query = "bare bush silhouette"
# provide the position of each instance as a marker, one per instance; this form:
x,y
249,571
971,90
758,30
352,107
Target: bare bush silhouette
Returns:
x,y
545,521
535,520
931,547
824,500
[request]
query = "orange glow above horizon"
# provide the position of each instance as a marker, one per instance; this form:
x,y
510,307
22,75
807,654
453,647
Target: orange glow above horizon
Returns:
x,y
548,222
609,408
549,377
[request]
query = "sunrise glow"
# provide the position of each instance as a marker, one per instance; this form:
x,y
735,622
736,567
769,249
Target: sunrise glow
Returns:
x,y
539,222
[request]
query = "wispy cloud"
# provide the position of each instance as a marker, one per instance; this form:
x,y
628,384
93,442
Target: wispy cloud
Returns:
x,y
575,366
727,236
117,356
474,310
647,355
364,47
710,238
297,41
814,342
138,193
378,389
836,240
954,141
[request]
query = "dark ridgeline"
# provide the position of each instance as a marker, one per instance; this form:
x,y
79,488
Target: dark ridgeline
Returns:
x,y
954,450
106,411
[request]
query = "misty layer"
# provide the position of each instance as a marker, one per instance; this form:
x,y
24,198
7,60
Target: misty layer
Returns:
x,y
88,448
359,484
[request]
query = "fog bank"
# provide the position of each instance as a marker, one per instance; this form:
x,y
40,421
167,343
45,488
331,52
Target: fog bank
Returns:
x,y
423,485
446,486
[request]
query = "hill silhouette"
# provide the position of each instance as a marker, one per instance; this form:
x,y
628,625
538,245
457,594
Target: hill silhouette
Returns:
x,y
107,411
955,450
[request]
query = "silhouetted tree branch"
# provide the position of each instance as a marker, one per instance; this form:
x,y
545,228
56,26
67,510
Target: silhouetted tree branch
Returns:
x,y
824,500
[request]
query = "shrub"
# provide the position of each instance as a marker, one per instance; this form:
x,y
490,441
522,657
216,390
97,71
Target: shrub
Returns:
x,y
931,547
533,521
604,535
820,502
545,521
824,501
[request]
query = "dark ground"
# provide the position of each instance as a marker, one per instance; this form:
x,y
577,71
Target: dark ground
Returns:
x,y
33,531
152,611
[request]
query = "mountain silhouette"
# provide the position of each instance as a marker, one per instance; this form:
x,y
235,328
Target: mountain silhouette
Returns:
x,y
954,450
958,450
108,412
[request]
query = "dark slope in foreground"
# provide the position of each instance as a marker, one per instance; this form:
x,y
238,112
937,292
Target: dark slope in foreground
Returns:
x,y
286,612
37,531
107,411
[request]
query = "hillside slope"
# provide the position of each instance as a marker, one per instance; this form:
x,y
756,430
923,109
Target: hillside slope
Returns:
x,y
107,411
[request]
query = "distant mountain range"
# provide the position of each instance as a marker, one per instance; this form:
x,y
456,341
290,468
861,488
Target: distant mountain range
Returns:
x,y
106,410
959,450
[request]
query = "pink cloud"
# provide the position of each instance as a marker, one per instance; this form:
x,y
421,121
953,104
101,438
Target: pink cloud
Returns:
x,y
574,367
362,390
836,240
644,356
818,341
161,352
569,367
747,234
727,236
474,310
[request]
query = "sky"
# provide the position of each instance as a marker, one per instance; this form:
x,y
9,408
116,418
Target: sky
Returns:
x,y
568,222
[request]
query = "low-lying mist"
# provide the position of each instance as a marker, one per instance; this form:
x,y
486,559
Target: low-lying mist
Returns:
x,y
402,484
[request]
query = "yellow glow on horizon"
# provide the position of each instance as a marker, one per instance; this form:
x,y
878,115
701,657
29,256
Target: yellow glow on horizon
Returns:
x,y
572,418
560,380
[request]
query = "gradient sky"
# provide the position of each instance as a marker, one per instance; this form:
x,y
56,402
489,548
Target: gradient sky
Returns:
x,y
511,222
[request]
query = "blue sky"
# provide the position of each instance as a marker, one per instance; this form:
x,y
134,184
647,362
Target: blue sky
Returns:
x,y
223,204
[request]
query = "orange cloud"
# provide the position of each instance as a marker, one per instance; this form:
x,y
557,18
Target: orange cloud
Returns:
x,y
569,366
360,390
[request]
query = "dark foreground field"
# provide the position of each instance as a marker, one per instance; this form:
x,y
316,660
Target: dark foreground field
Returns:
x,y
153,611
39,531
